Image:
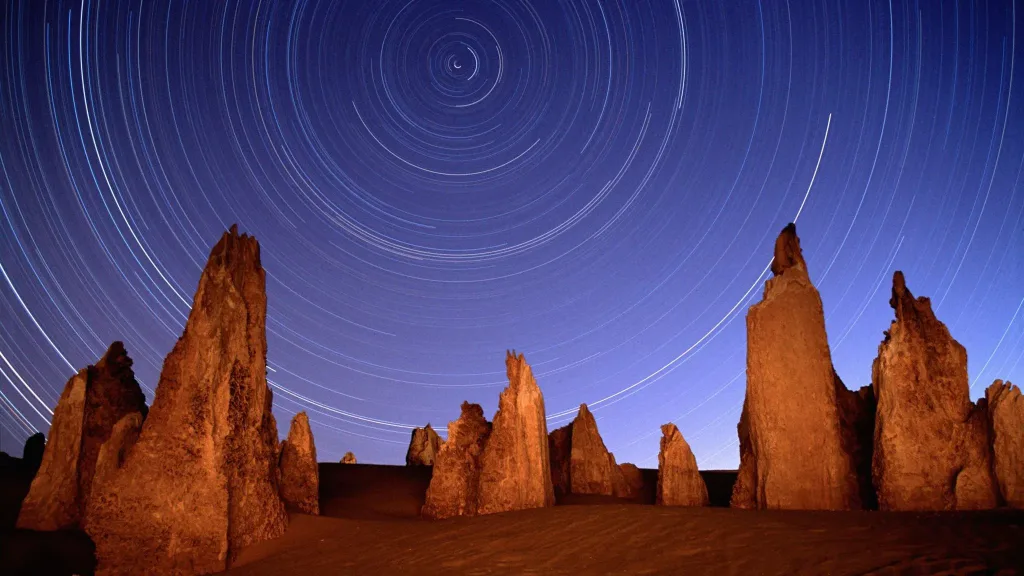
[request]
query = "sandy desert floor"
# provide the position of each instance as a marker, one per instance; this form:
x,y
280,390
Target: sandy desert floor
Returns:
x,y
370,526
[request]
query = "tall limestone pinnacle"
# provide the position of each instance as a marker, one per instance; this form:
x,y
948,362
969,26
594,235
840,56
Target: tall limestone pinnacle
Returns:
x,y
931,449
791,438
515,470
93,402
201,482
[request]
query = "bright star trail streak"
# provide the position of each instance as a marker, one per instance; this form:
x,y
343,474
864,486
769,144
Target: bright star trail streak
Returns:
x,y
597,184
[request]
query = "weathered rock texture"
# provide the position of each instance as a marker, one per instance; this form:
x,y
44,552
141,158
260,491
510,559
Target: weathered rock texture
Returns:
x,y
423,447
679,481
455,479
348,458
201,482
299,478
931,442
515,471
1006,413
592,469
91,404
792,454
560,451
115,451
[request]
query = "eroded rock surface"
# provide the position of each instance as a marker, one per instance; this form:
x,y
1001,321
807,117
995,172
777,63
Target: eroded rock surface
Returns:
x,y
348,458
423,447
299,479
92,402
792,456
1006,414
201,482
515,467
592,468
115,451
679,480
931,442
455,479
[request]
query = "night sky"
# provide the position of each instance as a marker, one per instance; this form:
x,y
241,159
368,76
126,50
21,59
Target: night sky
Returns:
x,y
597,184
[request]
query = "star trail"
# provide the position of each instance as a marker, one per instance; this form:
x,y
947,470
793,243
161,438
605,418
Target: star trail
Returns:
x,y
595,183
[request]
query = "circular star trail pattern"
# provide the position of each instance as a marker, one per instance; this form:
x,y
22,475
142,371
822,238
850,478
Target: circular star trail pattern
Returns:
x,y
597,184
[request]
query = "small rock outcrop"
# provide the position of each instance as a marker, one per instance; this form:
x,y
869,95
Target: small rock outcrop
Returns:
x,y
423,447
92,402
560,451
455,479
515,468
931,446
348,458
631,481
679,481
200,483
32,453
792,455
592,469
1006,414
299,476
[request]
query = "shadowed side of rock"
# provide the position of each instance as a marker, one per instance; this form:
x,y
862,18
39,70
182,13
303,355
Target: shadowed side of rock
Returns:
x,y
93,401
299,479
515,467
1006,417
857,423
454,484
201,481
423,447
931,442
560,451
679,481
792,456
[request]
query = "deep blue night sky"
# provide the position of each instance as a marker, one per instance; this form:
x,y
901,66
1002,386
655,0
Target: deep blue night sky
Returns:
x,y
597,184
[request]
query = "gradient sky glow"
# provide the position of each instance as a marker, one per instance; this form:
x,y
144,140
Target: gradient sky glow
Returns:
x,y
595,183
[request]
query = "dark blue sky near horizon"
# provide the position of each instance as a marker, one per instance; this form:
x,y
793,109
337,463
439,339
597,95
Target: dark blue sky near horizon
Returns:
x,y
596,184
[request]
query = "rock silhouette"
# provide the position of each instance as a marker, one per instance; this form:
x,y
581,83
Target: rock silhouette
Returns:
x,y
792,454
91,404
679,481
560,451
299,479
32,453
455,480
423,447
201,482
348,458
1006,413
931,442
515,471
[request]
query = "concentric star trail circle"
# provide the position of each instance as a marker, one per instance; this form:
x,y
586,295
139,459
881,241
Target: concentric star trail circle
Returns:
x,y
596,184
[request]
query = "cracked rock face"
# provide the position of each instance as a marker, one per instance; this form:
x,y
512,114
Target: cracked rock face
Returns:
x,y
515,471
93,402
1006,415
679,481
455,479
423,447
791,438
201,481
299,475
931,442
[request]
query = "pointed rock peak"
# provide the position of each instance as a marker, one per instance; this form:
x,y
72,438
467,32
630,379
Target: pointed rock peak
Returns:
x,y
348,458
584,412
787,251
471,411
519,372
669,430
906,306
233,230
235,251
300,421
